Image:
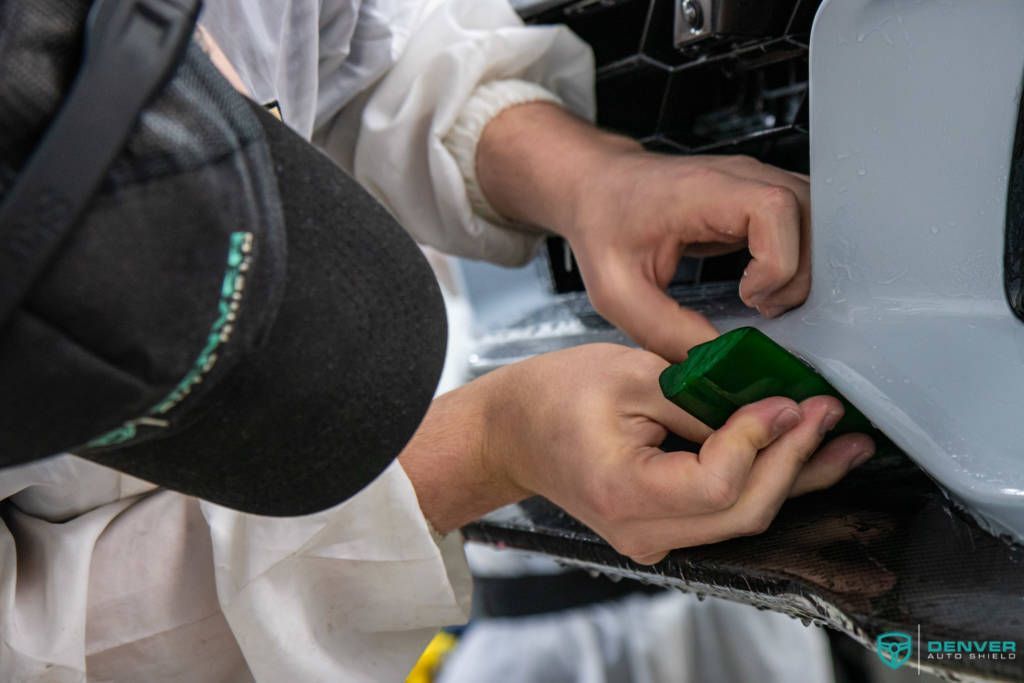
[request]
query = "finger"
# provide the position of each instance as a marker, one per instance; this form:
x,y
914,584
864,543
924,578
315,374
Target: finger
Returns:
x,y
752,169
654,558
666,485
774,474
655,406
643,400
637,305
794,292
771,479
654,413
832,463
774,241
765,215
728,454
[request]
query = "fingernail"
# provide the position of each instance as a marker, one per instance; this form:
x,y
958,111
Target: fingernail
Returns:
x,y
864,456
771,311
785,421
831,420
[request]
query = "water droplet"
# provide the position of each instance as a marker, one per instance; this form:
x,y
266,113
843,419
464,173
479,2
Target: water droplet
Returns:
x,y
862,172
935,230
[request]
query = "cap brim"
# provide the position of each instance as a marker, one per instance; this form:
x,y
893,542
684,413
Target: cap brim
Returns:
x,y
345,375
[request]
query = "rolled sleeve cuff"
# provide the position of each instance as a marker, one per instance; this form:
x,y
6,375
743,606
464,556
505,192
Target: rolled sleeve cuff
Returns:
x,y
487,101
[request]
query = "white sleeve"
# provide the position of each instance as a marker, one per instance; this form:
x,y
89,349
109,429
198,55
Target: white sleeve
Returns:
x,y
489,100
392,137
353,593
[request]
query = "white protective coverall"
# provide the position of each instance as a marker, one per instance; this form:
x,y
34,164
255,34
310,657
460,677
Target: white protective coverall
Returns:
x,y
103,577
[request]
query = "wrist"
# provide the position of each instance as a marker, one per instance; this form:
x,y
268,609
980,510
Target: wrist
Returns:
x,y
534,162
597,181
591,179
503,431
455,477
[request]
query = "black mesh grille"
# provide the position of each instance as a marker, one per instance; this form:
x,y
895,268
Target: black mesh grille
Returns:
x,y
727,94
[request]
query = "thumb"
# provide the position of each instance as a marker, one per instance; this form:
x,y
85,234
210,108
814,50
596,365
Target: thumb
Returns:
x,y
642,309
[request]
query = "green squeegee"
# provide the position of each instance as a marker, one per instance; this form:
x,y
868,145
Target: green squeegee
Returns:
x,y
744,366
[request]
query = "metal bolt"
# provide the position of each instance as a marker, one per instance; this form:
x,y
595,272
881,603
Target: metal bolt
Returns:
x,y
693,14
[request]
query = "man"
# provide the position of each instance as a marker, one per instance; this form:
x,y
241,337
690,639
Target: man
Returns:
x,y
406,94
351,590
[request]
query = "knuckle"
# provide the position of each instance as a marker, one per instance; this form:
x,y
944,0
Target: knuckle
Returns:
x,y
637,550
714,443
758,522
626,544
778,199
607,500
653,363
740,434
720,492
599,294
704,174
784,272
608,350
643,365
794,292
649,559
744,162
773,271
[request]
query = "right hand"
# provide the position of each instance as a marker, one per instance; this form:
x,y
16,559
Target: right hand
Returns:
x,y
642,212
630,215
583,426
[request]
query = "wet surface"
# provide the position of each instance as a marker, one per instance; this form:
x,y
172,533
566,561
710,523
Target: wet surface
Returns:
x,y
569,320
883,551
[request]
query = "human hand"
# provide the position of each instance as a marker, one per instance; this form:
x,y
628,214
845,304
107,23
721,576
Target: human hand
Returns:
x,y
583,426
642,212
630,215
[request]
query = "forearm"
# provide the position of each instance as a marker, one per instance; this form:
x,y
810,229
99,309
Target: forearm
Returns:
x,y
448,460
533,161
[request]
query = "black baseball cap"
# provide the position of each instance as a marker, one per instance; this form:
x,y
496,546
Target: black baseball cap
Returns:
x,y
189,292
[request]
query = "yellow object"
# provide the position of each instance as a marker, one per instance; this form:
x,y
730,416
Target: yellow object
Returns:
x,y
432,658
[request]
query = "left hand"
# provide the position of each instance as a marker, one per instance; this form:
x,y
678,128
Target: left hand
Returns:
x,y
583,427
